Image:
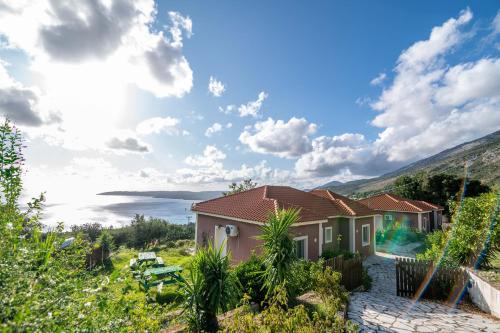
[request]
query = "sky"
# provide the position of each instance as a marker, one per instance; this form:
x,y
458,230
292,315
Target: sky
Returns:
x,y
194,95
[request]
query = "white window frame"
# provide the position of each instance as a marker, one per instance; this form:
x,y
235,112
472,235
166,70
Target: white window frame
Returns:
x,y
328,229
363,232
388,217
306,245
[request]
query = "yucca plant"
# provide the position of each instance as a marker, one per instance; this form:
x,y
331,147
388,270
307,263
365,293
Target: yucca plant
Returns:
x,y
213,289
279,248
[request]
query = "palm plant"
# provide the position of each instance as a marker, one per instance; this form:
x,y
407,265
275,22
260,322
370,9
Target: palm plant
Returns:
x,y
279,248
213,289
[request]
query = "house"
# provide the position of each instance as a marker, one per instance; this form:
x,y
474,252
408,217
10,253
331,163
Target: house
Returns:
x,y
327,221
417,214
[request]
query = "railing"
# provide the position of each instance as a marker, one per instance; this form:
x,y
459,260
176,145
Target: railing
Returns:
x,y
351,270
416,278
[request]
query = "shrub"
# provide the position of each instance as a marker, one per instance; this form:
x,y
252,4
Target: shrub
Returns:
x,y
249,274
279,248
330,253
143,232
474,236
213,289
302,276
278,317
366,280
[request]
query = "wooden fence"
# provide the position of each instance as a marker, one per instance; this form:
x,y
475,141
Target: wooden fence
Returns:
x,y
351,270
416,278
96,257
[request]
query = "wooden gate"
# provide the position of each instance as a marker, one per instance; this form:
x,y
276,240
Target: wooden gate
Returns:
x,y
416,278
351,270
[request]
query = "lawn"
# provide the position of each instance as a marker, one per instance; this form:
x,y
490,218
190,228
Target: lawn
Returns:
x,y
122,282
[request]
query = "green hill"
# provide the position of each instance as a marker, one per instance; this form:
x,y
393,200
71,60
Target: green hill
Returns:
x,y
482,157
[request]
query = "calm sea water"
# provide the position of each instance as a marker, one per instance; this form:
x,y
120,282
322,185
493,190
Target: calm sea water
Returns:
x,y
115,210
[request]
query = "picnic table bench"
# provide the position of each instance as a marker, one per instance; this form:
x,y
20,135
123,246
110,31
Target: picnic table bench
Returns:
x,y
146,256
165,275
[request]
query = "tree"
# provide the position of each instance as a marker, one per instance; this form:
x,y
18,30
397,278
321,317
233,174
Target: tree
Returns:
x,y
92,231
279,247
106,243
247,184
438,189
410,187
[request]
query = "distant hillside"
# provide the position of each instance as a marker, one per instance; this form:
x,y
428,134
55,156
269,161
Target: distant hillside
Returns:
x,y
185,195
483,156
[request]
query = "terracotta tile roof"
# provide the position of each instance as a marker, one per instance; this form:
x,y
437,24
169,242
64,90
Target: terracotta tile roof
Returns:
x,y
348,206
256,204
391,202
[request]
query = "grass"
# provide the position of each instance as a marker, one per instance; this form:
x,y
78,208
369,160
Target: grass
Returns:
x,y
492,275
121,279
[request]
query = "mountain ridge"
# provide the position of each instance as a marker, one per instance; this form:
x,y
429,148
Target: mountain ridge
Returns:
x,y
482,155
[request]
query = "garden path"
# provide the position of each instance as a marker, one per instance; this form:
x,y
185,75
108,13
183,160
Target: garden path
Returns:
x,y
380,310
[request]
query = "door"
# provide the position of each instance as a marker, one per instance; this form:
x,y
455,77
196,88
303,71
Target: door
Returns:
x,y
301,247
378,222
220,239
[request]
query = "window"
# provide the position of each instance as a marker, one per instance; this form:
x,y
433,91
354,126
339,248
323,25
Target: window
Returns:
x,y
301,247
365,234
328,234
388,217
424,224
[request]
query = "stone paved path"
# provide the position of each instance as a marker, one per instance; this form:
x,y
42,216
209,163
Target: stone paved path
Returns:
x,y
380,310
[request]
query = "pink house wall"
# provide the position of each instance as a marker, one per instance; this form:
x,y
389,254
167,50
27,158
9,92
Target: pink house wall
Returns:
x,y
312,231
240,247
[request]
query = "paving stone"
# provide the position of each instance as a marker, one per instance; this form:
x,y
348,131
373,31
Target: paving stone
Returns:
x,y
381,310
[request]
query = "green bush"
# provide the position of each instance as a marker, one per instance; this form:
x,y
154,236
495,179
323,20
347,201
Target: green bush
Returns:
x,y
303,273
143,232
279,317
249,274
213,289
474,237
330,253
366,280
44,288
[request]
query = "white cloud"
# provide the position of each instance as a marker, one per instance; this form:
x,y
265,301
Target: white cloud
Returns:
x,y
215,87
211,155
157,125
216,127
290,139
432,105
23,105
349,153
228,109
84,55
128,143
496,23
379,79
253,108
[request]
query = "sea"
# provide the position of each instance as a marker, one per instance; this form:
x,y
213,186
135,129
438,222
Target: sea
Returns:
x,y
116,211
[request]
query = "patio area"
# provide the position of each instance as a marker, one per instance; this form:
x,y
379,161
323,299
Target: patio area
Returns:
x,y
380,310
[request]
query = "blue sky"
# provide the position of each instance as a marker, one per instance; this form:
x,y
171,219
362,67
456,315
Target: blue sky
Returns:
x,y
321,117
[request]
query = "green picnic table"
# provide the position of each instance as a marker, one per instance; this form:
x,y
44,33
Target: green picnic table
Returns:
x,y
146,256
166,275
